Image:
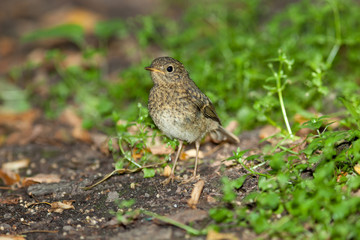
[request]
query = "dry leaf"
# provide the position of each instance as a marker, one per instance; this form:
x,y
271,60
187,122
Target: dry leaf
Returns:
x,y
2,139
63,135
81,134
16,165
335,122
85,18
121,122
137,153
232,126
357,168
7,45
69,117
28,182
195,194
11,237
20,137
10,200
23,120
191,153
101,141
112,223
156,145
183,156
8,177
268,131
343,174
73,59
189,215
59,207
167,171
160,149
44,178
22,123
210,199
37,56
213,235
300,118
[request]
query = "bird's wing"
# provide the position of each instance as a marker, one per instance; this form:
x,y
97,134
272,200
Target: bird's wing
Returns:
x,y
203,103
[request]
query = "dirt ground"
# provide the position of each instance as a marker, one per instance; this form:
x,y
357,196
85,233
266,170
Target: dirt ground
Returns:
x,y
51,152
79,165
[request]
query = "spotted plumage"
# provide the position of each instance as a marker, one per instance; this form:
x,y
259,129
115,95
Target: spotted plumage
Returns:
x,y
179,108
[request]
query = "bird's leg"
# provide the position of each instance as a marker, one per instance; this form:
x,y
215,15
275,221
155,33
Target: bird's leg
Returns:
x,y
197,146
176,158
194,177
172,174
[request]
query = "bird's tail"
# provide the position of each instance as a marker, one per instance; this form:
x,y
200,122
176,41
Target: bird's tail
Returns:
x,y
221,134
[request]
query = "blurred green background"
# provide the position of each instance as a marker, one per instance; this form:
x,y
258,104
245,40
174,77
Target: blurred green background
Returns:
x,y
232,49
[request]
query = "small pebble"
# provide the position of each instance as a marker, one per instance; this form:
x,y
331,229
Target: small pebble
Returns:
x,y
4,226
68,228
112,196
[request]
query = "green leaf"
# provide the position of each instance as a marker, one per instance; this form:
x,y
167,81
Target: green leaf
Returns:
x,y
238,154
251,197
119,165
267,184
324,171
277,161
71,32
12,98
149,172
352,108
259,222
228,190
354,182
269,200
126,203
237,183
107,29
314,123
221,214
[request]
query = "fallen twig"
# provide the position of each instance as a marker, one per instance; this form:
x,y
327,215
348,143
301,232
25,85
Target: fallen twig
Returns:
x,y
187,228
122,171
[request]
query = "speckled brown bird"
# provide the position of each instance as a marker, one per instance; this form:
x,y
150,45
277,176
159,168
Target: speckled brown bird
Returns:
x,y
179,108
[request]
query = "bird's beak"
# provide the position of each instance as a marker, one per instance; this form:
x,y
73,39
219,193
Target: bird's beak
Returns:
x,y
153,70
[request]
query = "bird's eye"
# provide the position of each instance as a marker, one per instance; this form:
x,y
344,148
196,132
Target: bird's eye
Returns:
x,y
169,69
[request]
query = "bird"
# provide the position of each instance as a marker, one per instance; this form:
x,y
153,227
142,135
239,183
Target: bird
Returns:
x,y
181,110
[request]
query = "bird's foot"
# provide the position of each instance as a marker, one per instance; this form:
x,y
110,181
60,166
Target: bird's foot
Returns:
x,y
171,178
191,179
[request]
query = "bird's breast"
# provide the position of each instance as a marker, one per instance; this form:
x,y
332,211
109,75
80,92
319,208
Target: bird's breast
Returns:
x,y
175,115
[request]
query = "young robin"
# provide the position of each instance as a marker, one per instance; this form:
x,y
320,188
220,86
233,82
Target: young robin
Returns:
x,y
179,108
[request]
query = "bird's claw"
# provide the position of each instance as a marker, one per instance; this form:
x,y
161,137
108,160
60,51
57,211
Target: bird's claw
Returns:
x,y
191,179
171,178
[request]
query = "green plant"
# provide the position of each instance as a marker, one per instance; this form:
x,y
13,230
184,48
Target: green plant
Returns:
x,y
352,104
125,215
320,206
134,143
262,105
73,32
